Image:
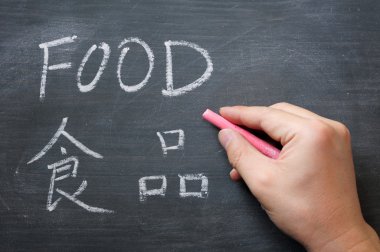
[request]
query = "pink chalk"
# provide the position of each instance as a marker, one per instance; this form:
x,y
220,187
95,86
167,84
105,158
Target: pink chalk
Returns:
x,y
220,122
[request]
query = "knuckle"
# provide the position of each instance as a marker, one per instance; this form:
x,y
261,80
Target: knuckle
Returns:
x,y
264,179
319,132
280,105
343,130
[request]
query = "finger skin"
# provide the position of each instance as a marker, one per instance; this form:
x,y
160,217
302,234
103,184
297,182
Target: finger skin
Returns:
x,y
250,164
296,110
278,124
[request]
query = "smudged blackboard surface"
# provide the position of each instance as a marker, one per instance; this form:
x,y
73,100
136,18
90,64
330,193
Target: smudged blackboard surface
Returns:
x,y
322,55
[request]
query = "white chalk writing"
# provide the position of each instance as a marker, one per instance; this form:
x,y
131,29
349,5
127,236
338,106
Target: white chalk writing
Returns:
x,y
182,185
183,192
170,90
53,140
69,167
123,53
180,144
45,46
144,192
106,54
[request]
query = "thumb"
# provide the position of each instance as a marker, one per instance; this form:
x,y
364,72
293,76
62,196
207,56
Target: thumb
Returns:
x,y
242,155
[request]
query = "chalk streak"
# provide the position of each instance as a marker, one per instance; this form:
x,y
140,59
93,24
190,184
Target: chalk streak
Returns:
x,y
60,66
4,203
84,205
61,131
51,142
81,146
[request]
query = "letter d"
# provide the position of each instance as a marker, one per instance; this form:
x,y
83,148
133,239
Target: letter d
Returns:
x,y
170,90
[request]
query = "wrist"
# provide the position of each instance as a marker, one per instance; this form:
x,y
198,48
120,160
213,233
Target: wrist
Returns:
x,y
356,239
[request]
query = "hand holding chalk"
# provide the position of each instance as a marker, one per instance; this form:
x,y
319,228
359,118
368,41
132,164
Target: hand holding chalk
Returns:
x,y
220,122
309,193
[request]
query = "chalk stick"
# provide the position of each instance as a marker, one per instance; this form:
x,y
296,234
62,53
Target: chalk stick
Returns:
x,y
220,122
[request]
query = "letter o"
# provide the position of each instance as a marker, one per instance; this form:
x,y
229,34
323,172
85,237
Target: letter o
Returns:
x,y
123,53
106,54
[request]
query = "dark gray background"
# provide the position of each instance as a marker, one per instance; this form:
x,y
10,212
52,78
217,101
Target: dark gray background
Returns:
x,y
322,55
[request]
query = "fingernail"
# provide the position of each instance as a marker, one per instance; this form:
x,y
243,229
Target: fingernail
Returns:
x,y
226,110
225,137
232,172
223,108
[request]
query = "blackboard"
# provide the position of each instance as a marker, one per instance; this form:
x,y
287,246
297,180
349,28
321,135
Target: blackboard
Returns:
x,y
322,55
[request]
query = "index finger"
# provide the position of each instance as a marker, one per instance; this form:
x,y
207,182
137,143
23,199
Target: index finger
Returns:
x,y
278,124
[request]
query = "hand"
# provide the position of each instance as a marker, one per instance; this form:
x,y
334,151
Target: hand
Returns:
x,y
309,192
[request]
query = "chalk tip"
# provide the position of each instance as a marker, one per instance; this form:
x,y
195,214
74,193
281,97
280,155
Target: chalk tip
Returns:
x,y
206,113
